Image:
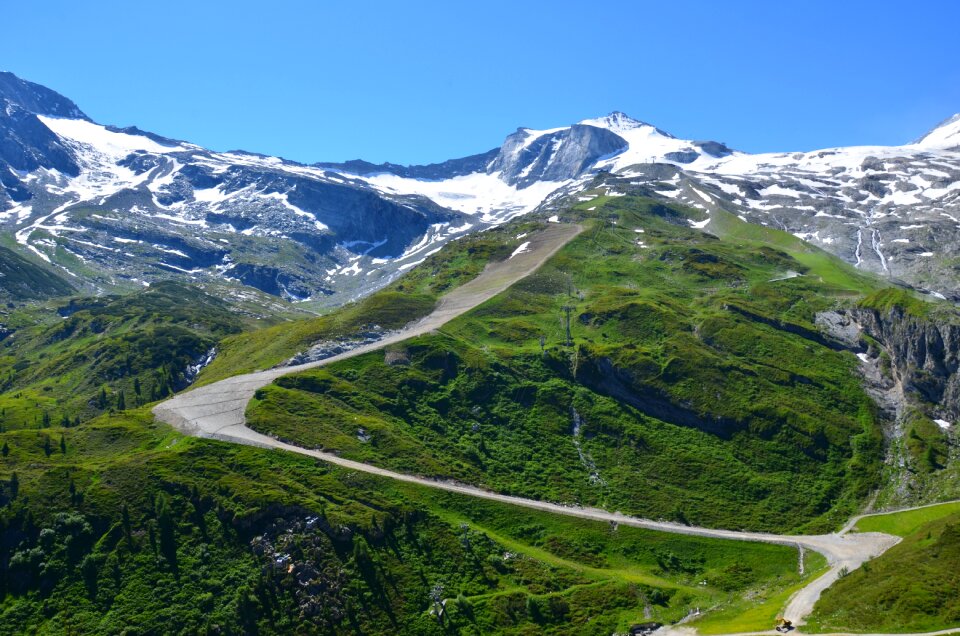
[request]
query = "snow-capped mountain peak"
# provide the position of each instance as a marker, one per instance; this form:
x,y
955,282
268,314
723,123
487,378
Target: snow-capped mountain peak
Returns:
x,y
945,135
619,122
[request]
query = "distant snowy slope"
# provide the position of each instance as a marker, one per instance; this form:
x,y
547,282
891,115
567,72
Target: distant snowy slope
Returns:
x,y
945,135
121,208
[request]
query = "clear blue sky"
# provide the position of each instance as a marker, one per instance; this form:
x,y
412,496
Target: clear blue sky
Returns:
x,y
415,82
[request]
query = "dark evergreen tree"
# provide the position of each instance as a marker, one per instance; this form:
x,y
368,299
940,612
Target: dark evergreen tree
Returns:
x,y
127,529
47,447
121,402
165,524
6,449
63,445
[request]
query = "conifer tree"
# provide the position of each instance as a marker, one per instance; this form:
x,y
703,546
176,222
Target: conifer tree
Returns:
x,y
127,530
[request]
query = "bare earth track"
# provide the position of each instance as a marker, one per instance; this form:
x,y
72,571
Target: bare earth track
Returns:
x,y
217,411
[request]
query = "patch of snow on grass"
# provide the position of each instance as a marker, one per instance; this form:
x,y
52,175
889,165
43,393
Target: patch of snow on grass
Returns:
x,y
409,265
459,229
524,247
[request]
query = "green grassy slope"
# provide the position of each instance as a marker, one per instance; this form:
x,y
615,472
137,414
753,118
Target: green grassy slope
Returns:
x,y
130,524
702,389
913,587
20,279
71,360
904,524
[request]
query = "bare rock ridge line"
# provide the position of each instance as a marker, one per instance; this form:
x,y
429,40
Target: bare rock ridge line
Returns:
x,y
217,411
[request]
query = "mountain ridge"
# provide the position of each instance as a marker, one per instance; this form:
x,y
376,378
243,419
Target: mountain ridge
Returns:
x,y
122,207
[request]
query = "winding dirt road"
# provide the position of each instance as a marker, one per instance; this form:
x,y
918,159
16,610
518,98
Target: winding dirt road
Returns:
x,y
217,411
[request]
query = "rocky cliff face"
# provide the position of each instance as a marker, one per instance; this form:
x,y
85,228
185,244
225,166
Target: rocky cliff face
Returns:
x,y
910,367
37,99
920,356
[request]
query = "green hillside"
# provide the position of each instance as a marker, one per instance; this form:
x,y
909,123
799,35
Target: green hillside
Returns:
x,y
412,296
21,279
121,523
67,361
696,387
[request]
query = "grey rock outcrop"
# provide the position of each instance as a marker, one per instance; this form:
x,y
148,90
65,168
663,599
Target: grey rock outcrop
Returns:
x,y
909,365
38,99
433,172
555,156
924,355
